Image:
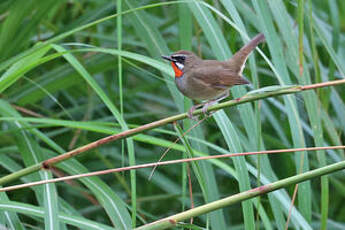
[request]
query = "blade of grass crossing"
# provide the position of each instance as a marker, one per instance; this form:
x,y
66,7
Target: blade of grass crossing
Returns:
x,y
185,27
24,144
332,131
119,65
206,21
339,108
246,111
51,219
321,32
315,55
275,48
185,36
96,127
12,60
220,48
12,24
149,140
144,26
113,204
337,103
185,32
9,219
31,154
33,211
20,24
12,166
190,154
17,70
312,104
334,15
238,21
300,12
284,200
234,145
119,47
130,147
264,162
156,46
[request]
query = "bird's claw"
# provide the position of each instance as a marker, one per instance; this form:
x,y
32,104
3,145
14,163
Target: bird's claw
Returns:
x,y
190,114
205,108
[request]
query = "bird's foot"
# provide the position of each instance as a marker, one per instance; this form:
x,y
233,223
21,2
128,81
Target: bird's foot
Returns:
x,y
205,107
190,113
212,102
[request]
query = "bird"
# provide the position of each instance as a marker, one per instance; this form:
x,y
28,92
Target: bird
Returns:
x,y
209,81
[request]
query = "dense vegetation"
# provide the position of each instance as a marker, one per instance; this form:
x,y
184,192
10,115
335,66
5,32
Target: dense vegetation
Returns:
x,y
73,72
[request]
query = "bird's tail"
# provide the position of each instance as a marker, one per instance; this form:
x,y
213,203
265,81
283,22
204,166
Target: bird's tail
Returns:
x,y
240,57
253,43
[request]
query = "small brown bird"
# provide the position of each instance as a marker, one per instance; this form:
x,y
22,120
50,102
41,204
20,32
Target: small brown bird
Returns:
x,y
210,80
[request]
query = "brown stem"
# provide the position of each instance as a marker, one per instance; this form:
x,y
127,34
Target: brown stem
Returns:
x,y
107,171
164,121
131,132
323,84
26,111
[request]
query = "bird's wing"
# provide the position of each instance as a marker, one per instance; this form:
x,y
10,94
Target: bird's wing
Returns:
x,y
217,76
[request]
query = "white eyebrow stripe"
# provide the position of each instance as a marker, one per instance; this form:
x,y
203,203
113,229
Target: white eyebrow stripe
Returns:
x,y
178,55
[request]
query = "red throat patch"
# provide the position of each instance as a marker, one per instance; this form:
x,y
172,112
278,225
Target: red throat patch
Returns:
x,y
178,72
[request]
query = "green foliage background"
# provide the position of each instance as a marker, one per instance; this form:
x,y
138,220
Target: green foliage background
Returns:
x,y
89,69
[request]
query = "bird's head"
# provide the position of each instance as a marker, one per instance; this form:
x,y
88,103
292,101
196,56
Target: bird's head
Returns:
x,y
181,61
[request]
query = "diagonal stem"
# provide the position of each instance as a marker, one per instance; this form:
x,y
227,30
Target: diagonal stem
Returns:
x,y
245,99
147,165
173,220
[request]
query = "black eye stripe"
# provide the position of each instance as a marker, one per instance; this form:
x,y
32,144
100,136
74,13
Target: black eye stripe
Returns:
x,y
179,57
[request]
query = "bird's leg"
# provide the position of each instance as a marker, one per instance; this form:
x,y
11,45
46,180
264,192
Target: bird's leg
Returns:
x,y
212,102
192,109
225,95
208,104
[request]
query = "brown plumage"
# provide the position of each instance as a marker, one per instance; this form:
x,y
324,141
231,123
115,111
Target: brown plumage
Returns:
x,y
210,79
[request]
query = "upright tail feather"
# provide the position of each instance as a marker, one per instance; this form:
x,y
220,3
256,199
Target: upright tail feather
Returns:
x,y
239,59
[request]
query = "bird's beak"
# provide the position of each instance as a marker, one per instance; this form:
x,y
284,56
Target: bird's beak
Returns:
x,y
167,58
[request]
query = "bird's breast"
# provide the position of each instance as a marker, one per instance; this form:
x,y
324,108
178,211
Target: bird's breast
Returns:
x,y
182,84
194,89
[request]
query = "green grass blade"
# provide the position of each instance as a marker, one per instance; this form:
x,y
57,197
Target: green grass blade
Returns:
x,y
9,219
185,28
248,115
33,211
275,46
31,154
234,145
109,200
17,30
321,32
51,219
119,47
312,105
155,43
16,71
122,218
